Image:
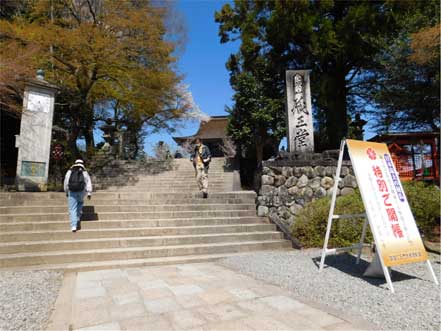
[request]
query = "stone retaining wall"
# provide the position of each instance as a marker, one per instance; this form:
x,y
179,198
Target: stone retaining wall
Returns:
x,y
288,184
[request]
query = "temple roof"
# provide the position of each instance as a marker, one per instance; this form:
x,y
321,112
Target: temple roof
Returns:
x,y
215,128
395,136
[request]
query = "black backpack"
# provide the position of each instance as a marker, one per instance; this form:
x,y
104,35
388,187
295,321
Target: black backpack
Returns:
x,y
76,180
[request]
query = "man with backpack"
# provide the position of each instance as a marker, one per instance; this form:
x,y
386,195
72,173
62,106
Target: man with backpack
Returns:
x,y
201,158
77,184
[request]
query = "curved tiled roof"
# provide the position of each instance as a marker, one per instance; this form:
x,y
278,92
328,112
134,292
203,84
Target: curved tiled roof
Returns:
x,y
215,128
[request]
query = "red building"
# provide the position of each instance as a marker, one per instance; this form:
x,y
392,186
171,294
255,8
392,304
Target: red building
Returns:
x,y
415,154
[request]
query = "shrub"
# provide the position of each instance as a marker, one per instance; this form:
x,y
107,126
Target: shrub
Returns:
x,y
310,224
424,200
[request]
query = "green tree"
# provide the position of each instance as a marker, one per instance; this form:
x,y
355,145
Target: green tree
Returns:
x,y
100,51
405,86
338,40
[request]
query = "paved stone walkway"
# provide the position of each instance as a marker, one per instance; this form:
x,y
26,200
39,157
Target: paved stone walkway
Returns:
x,y
204,296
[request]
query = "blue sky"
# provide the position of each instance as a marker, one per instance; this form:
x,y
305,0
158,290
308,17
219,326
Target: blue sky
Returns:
x,y
202,64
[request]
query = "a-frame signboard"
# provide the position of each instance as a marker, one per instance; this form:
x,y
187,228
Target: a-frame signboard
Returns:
x,y
387,210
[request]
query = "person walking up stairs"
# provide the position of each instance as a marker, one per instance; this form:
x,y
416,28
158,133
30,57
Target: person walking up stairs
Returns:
x,y
77,184
201,158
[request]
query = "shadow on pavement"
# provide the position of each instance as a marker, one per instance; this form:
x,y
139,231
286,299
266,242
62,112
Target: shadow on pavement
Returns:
x,y
346,263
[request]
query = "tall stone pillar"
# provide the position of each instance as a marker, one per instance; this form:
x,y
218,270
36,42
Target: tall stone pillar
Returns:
x,y
299,111
34,141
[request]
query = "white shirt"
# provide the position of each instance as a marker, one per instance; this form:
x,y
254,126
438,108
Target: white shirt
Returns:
x,y
87,188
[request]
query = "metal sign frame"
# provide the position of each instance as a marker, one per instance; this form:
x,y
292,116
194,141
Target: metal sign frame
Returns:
x,y
364,216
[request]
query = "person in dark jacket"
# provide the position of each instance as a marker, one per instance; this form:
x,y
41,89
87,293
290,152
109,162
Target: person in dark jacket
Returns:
x,y
201,158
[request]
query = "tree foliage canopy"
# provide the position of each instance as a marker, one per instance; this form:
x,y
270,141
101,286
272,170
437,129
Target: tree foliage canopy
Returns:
x,y
100,53
405,85
339,40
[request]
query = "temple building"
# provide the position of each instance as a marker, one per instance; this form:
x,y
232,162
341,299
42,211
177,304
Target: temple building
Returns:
x,y
415,154
212,134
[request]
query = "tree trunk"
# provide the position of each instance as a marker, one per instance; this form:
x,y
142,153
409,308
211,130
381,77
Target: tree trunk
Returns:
x,y
90,141
334,104
72,140
88,129
259,159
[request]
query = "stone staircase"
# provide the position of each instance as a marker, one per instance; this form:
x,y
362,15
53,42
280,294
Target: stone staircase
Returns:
x,y
152,219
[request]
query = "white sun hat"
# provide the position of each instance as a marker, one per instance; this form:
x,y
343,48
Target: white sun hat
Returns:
x,y
79,163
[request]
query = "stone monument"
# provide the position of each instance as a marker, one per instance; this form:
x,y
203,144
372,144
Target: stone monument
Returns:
x,y
34,141
299,111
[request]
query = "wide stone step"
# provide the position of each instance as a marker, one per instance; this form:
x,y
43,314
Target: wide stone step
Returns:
x,y
42,258
163,189
132,263
123,242
136,223
97,208
165,180
37,217
124,195
63,202
158,187
87,233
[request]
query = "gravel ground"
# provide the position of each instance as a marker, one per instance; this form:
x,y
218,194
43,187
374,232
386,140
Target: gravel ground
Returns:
x,y
414,306
27,298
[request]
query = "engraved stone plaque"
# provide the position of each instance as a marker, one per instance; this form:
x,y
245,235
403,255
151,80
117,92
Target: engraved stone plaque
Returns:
x,y
299,111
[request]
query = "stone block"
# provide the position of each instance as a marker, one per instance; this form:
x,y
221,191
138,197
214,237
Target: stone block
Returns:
x,y
267,190
282,303
184,319
327,182
291,181
350,181
242,293
303,181
261,200
306,193
347,191
267,171
190,301
310,172
215,296
186,290
267,180
151,322
295,209
287,172
320,171
262,211
341,184
161,306
314,183
130,310
293,191
126,298
329,192
283,212
282,192
330,171
83,293
319,193
344,171
279,180
298,171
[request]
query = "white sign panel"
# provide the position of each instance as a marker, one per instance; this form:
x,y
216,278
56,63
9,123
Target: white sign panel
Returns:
x,y
38,102
392,223
299,111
